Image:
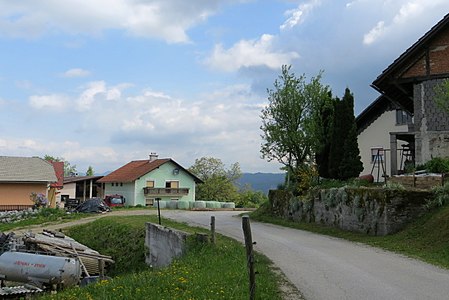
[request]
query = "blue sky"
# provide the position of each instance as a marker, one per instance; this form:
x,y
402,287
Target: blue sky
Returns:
x,y
104,82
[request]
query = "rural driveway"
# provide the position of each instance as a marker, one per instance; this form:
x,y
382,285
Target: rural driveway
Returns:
x,y
329,268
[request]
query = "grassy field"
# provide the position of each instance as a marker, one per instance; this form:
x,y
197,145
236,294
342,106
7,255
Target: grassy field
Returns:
x,y
206,272
426,239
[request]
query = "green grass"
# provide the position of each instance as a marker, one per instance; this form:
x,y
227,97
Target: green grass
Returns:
x,y
426,239
206,272
45,215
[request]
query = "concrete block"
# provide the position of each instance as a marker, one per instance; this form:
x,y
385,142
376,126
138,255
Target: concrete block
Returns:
x,y
164,244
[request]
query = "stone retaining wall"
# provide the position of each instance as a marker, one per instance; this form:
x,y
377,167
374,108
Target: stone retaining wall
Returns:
x,y
374,211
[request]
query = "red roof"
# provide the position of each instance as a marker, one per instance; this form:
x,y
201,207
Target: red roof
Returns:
x,y
137,168
59,172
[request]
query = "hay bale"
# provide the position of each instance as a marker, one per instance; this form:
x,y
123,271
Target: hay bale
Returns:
x,y
199,204
162,204
229,205
183,204
172,204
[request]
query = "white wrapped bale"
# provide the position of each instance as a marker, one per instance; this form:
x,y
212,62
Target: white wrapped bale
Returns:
x,y
183,204
199,204
172,204
229,205
162,204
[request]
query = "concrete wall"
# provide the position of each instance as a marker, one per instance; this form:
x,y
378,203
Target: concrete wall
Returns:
x,y
69,189
431,123
374,211
19,193
164,244
378,135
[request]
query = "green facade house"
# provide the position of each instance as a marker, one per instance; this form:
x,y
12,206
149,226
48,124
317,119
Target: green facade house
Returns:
x,y
142,182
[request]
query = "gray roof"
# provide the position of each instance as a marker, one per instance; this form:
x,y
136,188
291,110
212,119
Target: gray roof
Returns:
x,y
26,169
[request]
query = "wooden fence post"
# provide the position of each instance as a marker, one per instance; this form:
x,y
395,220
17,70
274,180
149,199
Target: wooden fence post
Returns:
x,y
212,229
249,256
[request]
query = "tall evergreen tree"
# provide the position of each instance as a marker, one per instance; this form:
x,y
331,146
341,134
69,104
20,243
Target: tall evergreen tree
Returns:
x,y
324,121
337,139
351,164
344,156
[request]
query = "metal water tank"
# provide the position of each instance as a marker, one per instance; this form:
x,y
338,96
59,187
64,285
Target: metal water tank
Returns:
x,y
41,270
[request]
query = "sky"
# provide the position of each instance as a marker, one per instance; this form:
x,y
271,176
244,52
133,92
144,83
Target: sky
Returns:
x,y
103,82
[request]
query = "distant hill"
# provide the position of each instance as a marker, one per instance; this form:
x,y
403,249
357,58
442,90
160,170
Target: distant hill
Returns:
x,y
261,181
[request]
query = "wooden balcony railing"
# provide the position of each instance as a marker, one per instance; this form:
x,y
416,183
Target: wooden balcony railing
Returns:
x,y
165,191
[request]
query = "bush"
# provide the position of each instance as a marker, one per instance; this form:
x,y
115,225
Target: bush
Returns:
x,y
436,165
441,196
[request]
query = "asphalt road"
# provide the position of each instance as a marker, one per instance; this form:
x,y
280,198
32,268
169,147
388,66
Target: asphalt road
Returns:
x,y
329,268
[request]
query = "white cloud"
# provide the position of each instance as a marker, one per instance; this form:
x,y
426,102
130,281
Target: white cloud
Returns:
x,y
250,53
164,19
52,101
401,17
77,72
97,90
296,16
374,33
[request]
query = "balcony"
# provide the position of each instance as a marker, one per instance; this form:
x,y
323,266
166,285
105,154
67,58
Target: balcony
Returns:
x,y
165,191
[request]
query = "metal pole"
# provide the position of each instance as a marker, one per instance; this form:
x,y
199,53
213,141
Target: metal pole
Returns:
x,y
212,229
158,210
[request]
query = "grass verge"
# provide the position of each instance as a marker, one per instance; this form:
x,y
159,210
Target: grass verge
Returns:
x,y
426,239
206,272
44,216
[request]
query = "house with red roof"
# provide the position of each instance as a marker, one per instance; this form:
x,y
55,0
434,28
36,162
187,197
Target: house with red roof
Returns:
x,y
142,182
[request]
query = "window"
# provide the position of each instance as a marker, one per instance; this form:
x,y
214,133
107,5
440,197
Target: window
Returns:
x,y
150,183
172,184
377,154
403,117
149,201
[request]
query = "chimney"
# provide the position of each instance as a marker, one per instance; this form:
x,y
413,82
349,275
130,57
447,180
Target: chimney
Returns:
x,y
153,156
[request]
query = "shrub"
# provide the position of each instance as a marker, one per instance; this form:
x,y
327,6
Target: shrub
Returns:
x,y
441,196
436,165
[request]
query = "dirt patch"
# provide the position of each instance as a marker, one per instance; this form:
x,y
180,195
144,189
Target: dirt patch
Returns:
x,y
288,290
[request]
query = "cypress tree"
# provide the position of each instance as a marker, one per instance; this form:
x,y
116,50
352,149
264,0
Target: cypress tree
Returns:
x,y
336,139
344,157
350,165
324,128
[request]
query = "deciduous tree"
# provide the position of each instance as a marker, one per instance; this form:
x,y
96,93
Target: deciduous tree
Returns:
x,y
290,132
219,182
69,170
